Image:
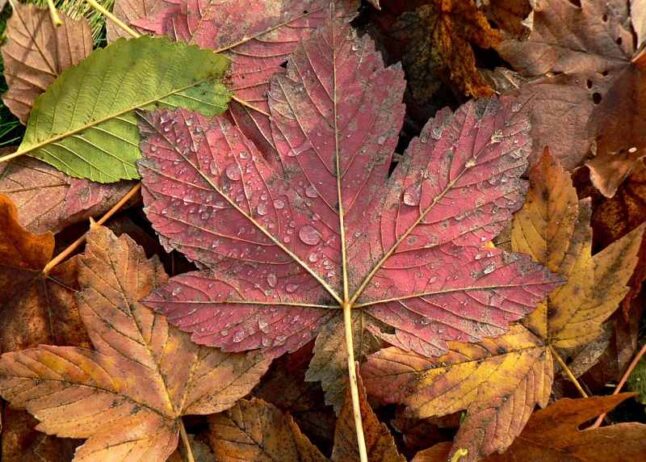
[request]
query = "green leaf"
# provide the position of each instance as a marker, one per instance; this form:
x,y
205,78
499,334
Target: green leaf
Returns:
x,y
84,124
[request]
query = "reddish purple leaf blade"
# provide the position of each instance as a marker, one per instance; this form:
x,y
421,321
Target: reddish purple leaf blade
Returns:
x,y
416,262
337,101
257,35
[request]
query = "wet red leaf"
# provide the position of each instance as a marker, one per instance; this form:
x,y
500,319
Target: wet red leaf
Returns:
x,y
278,259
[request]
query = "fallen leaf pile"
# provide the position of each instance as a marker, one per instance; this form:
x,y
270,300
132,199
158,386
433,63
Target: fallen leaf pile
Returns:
x,y
322,230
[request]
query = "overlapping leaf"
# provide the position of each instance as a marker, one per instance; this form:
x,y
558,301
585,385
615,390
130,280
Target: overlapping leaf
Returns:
x,y
257,35
84,123
554,435
37,52
49,200
256,431
127,395
499,381
283,249
593,47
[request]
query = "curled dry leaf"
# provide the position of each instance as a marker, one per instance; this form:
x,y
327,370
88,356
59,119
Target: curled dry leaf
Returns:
x,y
37,51
500,381
257,431
49,200
257,35
554,434
127,395
591,47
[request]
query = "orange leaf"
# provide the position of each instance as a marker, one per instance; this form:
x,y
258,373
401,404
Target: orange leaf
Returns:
x,y
127,395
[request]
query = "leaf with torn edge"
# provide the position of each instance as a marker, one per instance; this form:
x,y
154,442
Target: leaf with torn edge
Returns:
x,y
554,434
127,395
257,431
84,124
36,52
591,47
283,249
500,381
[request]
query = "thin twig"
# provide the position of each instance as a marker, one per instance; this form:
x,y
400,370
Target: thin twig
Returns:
x,y
568,372
74,245
53,13
249,105
459,454
622,382
354,386
186,441
117,22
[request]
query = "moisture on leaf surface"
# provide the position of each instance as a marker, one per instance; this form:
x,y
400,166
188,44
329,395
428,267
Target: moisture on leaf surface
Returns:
x,y
128,394
286,242
500,381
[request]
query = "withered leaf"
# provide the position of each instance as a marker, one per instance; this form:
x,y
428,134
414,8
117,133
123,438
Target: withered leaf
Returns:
x,y
499,381
127,395
49,200
279,260
37,51
591,47
554,434
34,308
439,37
257,431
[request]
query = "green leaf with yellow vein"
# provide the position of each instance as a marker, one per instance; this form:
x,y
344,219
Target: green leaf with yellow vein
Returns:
x,y
127,395
500,381
84,124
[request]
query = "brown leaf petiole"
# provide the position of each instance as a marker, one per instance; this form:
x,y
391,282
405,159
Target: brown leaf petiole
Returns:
x,y
568,372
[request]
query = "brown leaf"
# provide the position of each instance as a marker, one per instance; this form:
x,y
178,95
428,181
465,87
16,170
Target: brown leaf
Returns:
x,y
256,431
379,442
37,52
49,200
285,387
128,394
440,37
509,14
553,435
615,217
34,308
591,48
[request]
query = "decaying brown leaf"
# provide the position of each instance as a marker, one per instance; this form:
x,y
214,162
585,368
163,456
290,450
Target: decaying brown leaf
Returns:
x,y
499,381
127,395
49,200
37,52
256,431
554,434
34,308
440,35
509,15
590,48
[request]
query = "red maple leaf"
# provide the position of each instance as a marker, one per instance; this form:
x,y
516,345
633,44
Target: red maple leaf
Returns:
x,y
258,37
288,242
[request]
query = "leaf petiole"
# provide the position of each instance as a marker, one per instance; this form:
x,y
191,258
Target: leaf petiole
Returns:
x,y
186,441
568,372
118,22
56,19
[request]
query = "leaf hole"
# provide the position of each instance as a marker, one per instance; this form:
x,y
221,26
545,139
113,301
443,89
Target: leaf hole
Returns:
x,y
596,98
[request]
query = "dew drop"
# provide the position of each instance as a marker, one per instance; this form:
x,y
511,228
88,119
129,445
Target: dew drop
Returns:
x,y
233,172
489,269
411,195
238,336
279,204
309,235
263,326
313,257
262,209
272,280
224,332
291,288
311,192
300,149
381,140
